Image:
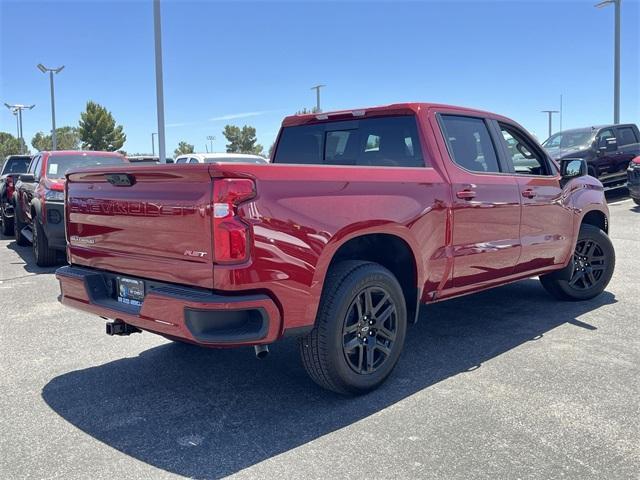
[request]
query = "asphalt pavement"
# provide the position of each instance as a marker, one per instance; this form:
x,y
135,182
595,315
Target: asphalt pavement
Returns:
x,y
503,384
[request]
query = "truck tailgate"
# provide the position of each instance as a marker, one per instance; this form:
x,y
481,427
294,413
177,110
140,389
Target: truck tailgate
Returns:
x,y
145,221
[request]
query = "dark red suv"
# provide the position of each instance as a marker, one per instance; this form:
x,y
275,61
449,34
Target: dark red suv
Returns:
x,y
39,199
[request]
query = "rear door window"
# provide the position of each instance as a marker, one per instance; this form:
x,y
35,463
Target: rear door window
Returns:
x,y
626,136
372,142
470,143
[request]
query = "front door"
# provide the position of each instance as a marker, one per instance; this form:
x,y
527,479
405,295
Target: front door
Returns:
x,y
486,204
546,227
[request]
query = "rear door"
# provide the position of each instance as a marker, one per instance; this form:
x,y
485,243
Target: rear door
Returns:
x,y
145,221
546,227
628,146
486,203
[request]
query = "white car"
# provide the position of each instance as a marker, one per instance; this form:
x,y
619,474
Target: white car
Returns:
x,y
220,158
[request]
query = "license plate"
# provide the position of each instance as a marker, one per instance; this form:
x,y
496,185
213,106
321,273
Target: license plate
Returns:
x,y
130,291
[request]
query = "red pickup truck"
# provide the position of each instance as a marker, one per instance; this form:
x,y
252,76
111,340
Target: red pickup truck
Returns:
x,y
361,216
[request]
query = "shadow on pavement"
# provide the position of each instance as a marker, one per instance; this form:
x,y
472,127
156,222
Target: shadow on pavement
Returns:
x,y
206,413
28,260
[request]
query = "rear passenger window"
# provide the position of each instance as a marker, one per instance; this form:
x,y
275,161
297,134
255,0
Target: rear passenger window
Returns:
x,y
373,142
626,136
469,143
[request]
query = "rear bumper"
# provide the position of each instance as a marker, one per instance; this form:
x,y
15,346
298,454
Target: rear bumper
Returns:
x,y
189,314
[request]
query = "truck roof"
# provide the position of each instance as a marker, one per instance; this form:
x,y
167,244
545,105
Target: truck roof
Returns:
x,y
405,108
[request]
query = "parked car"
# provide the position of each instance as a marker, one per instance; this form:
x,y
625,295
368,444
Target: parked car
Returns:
x,y
607,149
633,179
219,158
39,199
361,216
13,166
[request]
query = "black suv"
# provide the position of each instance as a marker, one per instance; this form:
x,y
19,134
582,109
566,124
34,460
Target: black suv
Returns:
x,y
11,170
607,149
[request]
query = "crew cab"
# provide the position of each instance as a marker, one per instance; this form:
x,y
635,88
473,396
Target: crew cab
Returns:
x,y
361,216
13,166
39,199
607,149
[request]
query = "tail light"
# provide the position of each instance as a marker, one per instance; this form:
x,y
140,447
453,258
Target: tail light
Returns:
x,y
10,187
231,235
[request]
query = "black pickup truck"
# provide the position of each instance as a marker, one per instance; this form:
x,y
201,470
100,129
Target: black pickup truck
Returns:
x,y
11,170
607,149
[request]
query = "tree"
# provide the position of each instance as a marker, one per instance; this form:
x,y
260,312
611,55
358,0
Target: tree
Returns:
x,y
273,145
183,148
306,110
10,145
67,138
241,140
98,130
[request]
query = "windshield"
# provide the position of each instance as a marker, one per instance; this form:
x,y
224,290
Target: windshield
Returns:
x,y
16,165
57,167
577,138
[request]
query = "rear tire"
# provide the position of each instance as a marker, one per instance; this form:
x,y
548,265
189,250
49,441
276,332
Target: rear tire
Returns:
x,y
592,266
45,256
18,226
7,225
360,329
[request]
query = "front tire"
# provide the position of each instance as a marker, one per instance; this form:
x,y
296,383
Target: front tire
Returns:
x,y
592,266
7,225
18,226
45,256
360,329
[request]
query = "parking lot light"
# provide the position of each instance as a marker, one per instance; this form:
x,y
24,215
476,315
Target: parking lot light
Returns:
x,y
51,71
616,57
17,109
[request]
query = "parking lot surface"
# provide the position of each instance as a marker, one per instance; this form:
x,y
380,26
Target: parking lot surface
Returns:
x,y
508,383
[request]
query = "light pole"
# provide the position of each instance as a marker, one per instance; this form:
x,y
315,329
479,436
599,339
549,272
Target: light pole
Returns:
x,y
317,89
211,138
153,145
17,109
157,34
550,113
51,71
616,58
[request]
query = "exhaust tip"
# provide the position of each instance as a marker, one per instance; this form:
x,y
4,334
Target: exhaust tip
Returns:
x,y
261,351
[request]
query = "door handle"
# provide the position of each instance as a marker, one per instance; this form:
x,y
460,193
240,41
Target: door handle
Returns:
x,y
466,194
528,193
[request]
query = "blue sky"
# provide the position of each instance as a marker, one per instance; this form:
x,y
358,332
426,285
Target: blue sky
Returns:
x,y
254,62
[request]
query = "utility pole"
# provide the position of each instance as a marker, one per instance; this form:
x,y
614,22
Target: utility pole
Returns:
x,y
153,145
157,31
317,89
560,113
17,109
616,57
550,113
51,71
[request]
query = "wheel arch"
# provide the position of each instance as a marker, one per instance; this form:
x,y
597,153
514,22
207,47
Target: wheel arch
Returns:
x,y
597,218
393,248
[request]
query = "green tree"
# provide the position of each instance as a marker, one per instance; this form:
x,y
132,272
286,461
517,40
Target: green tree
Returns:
x,y
98,130
67,138
9,145
183,148
306,110
241,140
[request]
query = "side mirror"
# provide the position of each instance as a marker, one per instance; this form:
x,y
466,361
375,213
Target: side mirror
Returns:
x,y
28,177
572,168
608,145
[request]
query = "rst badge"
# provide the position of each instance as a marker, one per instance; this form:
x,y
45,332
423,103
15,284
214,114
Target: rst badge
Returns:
x,y
193,253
